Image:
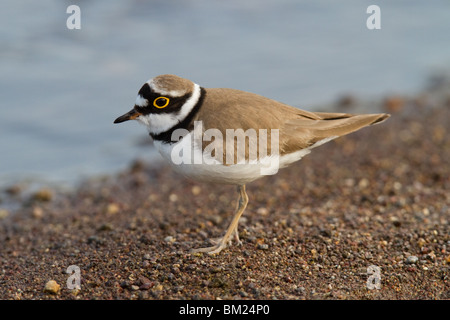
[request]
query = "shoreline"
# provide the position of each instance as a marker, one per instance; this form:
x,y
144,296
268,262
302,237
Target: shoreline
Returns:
x,y
436,90
375,197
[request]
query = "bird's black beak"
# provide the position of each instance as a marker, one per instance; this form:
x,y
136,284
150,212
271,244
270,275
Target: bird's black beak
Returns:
x,y
130,115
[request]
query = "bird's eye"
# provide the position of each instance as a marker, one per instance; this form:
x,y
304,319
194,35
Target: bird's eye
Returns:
x,y
161,102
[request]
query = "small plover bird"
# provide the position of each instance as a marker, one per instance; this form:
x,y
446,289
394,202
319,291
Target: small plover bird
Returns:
x,y
230,136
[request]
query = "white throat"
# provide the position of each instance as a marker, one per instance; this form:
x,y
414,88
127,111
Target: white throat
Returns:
x,y
159,123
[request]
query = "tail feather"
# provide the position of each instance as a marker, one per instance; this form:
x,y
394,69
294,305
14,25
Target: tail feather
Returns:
x,y
332,124
303,133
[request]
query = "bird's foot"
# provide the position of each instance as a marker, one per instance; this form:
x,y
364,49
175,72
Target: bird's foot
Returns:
x,y
216,241
218,244
211,250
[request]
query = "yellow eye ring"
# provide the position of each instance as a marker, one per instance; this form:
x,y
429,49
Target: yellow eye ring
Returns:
x,y
161,100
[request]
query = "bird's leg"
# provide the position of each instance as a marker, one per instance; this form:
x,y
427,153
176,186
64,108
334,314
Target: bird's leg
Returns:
x,y
236,238
232,229
235,232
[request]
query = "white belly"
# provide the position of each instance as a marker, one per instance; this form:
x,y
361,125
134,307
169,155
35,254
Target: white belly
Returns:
x,y
203,167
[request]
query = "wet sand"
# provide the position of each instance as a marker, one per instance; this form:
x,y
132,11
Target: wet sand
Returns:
x,y
380,197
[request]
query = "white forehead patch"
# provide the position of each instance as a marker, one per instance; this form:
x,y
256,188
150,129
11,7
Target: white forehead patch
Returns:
x,y
170,93
141,101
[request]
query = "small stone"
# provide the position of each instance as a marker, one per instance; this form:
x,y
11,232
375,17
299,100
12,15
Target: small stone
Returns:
x,y
134,287
105,227
3,213
75,292
412,260
262,211
196,190
394,104
431,256
424,250
37,212
94,240
263,246
346,101
147,256
146,286
349,182
215,269
52,287
300,290
421,242
178,288
112,208
173,198
363,183
396,222
137,165
243,294
14,190
169,239
43,195
145,283
216,219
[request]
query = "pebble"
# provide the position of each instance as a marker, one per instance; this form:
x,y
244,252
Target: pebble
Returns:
x,y
412,260
178,288
346,101
112,208
105,227
147,256
52,287
43,195
37,212
95,240
169,239
314,253
146,284
363,183
196,190
431,256
263,246
14,190
75,292
396,222
243,294
262,211
3,213
300,290
421,242
394,104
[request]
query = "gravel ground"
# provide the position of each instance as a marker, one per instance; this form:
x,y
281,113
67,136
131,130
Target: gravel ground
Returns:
x,y
379,197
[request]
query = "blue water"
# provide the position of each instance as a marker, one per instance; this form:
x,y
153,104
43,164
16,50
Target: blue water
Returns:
x,y
61,89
